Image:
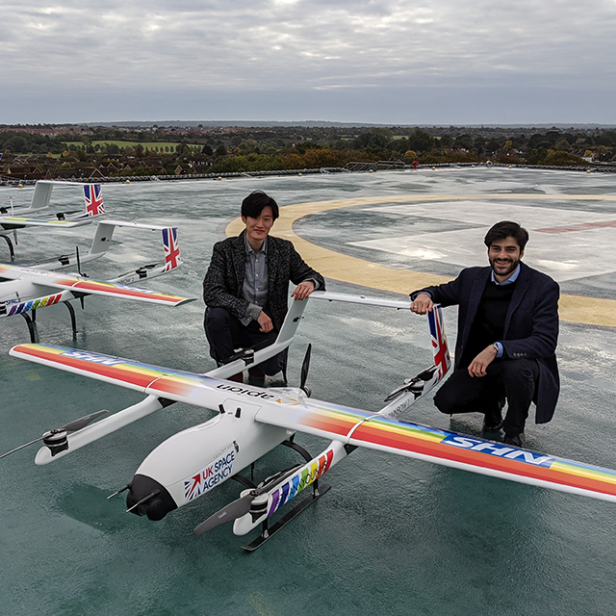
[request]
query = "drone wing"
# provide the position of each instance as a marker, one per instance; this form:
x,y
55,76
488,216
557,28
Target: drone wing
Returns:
x,y
18,222
111,289
88,286
350,426
358,428
145,378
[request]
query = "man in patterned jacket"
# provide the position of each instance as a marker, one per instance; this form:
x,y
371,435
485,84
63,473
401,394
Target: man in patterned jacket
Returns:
x,y
247,284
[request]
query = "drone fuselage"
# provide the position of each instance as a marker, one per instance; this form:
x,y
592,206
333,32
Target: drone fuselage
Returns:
x,y
194,461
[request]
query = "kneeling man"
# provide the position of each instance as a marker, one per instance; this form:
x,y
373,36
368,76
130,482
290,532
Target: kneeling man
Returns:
x,y
507,335
247,284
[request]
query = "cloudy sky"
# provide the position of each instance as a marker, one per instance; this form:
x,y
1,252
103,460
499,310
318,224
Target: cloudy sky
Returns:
x,y
415,62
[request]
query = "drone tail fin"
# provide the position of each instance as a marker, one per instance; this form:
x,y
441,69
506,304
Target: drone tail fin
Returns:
x,y
440,349
102,239
171,249
93,195
41,196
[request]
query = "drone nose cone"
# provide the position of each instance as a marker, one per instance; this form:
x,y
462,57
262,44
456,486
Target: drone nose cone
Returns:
x,y
148,497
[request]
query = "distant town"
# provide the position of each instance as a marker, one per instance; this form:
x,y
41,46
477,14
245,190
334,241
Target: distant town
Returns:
x,y
108,152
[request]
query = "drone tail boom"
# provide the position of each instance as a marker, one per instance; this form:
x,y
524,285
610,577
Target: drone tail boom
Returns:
x,y
170,241
102,428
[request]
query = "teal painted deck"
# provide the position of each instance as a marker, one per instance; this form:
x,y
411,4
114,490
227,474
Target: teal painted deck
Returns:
x,y
393,536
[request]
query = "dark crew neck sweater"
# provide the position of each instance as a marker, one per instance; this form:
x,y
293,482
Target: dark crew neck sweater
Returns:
x,y
489,324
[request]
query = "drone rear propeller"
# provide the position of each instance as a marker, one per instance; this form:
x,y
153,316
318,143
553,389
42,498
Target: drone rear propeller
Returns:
x,y
247,501
57,439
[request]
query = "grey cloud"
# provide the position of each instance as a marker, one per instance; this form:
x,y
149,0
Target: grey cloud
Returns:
x,y
230,48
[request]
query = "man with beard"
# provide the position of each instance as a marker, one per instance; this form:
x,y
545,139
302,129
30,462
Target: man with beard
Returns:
x,y
507,335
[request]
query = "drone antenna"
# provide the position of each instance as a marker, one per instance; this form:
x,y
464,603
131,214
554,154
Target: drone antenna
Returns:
x,y
143,500
126,487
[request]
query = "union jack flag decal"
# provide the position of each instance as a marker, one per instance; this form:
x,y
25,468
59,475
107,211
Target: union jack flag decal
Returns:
x,y
192,488
172,248
94,199
442,360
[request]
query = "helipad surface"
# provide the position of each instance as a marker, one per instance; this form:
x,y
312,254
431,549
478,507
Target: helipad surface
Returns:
x,y
393,536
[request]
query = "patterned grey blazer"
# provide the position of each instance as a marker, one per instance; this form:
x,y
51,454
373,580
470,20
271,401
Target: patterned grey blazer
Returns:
x,y
222,285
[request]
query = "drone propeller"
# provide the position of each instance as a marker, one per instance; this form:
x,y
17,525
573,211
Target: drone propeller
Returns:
x,y
78,261
242,505
81,296
232,511
304,372
57,439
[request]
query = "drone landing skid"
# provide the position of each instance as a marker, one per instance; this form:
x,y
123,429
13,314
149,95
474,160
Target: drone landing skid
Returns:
x,y
268,532
10,244
317,492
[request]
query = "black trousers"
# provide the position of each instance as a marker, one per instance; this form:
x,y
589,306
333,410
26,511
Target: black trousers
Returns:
x,y
225,333
513,379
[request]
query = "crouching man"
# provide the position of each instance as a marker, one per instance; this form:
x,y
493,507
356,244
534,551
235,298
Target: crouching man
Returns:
x,y
507,335
247,284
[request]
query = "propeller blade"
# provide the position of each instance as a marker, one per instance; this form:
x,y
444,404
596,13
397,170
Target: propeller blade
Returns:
x,y
78,424
305,368
72,426
21,447
230,512
241,506
78,260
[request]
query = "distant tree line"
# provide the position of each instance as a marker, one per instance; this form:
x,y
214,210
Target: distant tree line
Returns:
x,y
232,149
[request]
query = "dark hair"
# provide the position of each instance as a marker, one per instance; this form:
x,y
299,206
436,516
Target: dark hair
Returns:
x,y
255,202
504,229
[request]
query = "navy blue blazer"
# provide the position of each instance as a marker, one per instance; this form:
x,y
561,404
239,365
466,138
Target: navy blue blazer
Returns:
x,y
531,324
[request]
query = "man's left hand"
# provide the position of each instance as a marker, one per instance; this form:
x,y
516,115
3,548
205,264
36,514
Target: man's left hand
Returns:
x,y
479,365
303,290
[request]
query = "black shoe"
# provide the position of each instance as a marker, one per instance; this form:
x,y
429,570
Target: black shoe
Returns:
x,y
516,440
493,422
256,377
278,383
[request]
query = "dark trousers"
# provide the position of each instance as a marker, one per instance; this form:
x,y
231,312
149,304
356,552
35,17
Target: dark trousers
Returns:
x,y
513,379
225,333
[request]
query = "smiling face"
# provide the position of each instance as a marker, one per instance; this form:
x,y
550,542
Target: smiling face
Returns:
x,y
257,229
504,256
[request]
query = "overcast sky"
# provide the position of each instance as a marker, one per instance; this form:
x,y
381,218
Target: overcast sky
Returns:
x,y
418,62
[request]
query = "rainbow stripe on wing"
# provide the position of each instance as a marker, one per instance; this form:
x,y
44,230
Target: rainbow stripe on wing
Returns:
x,y
491,456
329,419
16,220
95,287
345,424
374,431
145,378
91,286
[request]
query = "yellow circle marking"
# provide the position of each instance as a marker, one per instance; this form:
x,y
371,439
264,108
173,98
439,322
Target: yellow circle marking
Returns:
x,y
338,266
